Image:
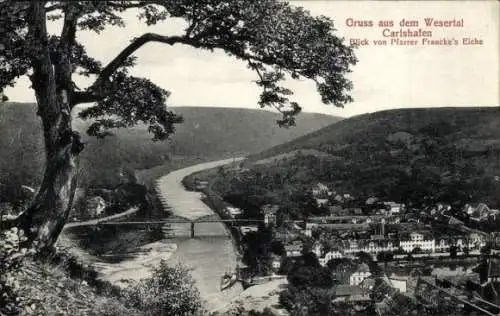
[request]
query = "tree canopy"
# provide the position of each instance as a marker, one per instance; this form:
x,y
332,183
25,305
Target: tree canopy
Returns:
x,y
274,38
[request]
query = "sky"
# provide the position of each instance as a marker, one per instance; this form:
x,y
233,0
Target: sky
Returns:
x,y
385,77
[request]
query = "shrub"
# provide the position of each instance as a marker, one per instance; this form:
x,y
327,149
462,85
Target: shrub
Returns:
x,y
11,256
169,291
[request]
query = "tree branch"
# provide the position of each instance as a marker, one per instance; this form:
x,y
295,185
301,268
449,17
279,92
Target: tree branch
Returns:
x,y
135,45
68,33
124,6
94,94
54,7
80,97
261,77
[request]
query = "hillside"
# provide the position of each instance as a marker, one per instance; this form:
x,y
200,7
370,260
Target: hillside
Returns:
x,y
406,154
206,134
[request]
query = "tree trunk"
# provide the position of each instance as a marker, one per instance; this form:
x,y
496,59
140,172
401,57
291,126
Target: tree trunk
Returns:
x,y
45,218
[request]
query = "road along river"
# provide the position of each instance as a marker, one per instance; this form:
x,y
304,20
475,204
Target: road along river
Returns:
x,y
208,257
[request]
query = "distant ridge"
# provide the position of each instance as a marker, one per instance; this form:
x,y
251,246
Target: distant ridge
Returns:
x,y
400,153
207,132
401,118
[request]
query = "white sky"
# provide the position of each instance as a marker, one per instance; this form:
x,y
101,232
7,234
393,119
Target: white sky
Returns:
x,y
384,78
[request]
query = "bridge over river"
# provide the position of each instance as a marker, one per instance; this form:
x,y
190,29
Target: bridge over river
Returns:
x,y
209,258
176,226
211,254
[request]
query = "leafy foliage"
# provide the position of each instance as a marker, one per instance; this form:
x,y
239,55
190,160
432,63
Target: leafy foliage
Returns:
x,y
307,272
415,156
133,100
169,291
307,301
276,39
11,256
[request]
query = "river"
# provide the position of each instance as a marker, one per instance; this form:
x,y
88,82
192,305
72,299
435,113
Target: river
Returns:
x,y
208,257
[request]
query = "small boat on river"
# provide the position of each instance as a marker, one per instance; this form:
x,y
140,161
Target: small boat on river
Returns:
x,y
227,280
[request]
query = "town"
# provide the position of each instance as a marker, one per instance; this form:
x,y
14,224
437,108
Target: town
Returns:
x,y
415,252
249,158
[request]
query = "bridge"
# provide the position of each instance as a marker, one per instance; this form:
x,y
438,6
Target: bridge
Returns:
x,y
333,222
214,218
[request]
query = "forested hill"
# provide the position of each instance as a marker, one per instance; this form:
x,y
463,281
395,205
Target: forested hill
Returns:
x,y
208,133
404,153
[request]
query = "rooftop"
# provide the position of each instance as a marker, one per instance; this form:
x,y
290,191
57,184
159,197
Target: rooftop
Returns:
x,y
348,290
494,268
363,267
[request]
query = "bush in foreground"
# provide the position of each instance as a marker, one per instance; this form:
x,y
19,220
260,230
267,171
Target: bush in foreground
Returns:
x,y
169,291
63,285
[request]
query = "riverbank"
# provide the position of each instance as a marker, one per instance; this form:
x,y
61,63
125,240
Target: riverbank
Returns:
x,y
210,256
258,298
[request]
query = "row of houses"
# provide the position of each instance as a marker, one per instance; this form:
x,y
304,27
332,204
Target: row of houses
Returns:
x,y
416,240
323,195
353,222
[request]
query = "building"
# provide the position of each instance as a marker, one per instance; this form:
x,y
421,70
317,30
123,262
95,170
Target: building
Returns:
x,y
371,200
294,249
320,190
418,240
494,270
476,210
96,206
324,257
321,202
480,211
317,249
477,241
360,274
276,263
309,229
372,247
348,197
399,282
351,293
442,245
393,207
329,255
247,229
269,212
233,211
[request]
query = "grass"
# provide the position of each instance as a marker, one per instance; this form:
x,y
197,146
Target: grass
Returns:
x,y
46,289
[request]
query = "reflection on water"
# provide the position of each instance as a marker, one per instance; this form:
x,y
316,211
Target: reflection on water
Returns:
x,y
118,257
209,258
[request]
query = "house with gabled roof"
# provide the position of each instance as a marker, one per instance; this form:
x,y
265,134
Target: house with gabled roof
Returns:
x,y
361,273
320,190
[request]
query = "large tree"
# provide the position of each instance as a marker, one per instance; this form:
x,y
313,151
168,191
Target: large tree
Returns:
x,y
277,40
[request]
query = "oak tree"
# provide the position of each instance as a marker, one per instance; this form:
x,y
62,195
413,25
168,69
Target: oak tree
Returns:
x,y
275,39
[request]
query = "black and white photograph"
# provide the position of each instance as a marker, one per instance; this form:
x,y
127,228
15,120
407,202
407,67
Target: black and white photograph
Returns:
x,y
250,158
